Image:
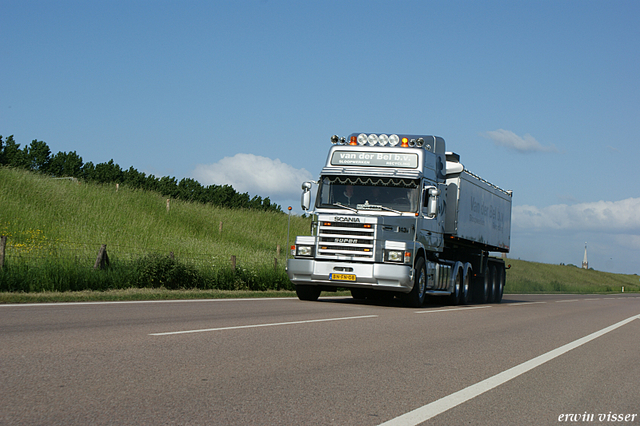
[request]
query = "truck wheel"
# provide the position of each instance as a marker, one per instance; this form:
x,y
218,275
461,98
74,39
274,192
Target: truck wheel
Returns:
x,y
500,271
483,289
465,289
454,298
493,287
359,293
308,292
415,298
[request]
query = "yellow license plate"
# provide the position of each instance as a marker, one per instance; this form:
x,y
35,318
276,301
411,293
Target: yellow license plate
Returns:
x,y
342,277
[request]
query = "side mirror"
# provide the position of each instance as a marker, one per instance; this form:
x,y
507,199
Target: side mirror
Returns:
x,y
431,201
306,196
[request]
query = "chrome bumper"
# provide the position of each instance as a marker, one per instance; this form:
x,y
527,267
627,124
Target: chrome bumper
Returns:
x,y
382,276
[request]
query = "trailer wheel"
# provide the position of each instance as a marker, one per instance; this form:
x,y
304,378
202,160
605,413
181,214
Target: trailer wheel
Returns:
x,y
483,288
415,298
465,289
455,296
500,278
308,292
493,285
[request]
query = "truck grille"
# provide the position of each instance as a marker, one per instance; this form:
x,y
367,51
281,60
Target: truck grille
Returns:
x,y
346,239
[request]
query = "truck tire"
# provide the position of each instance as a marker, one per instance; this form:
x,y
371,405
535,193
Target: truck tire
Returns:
x,y
454,297
500,278
483,286
465,290
308,292
359,293
415,298
493,290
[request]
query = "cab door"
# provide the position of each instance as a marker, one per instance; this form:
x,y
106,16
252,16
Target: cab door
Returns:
x,y
431,217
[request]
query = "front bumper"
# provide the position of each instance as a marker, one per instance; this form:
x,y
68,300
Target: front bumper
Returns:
x,y
381,276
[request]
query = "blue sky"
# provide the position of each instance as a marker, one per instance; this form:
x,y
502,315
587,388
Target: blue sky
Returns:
x,y
540,97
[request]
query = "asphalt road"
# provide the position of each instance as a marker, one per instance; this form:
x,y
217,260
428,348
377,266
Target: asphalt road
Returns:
x,y
528,361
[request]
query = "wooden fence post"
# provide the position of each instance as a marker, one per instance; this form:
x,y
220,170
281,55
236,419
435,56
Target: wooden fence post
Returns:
x,y
168,202
233,262
3,244
220,228
102,260
278,250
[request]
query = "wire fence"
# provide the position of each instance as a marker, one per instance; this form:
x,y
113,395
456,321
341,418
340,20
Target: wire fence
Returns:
x,y
40,264
86,252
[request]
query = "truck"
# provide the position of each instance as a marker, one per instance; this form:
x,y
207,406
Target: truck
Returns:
x,y
399,216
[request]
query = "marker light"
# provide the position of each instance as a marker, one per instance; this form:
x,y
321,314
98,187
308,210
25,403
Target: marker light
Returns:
x,y
412,143
372,139
352,140
362,139
343,141
405,143
420,142
393,140
334,139
384,139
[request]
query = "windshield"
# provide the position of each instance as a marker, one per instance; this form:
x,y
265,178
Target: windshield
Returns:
x,y
367,193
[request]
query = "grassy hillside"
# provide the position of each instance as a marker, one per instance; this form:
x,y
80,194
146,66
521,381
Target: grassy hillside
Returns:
x,y
532,277
55,229
66,221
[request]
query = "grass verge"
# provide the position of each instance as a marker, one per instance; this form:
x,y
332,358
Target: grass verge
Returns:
x,y
142,294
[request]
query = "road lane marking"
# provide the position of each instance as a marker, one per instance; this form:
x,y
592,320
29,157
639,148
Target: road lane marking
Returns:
x,y
275,324
432,409
450,309
521,303
125,302
567,301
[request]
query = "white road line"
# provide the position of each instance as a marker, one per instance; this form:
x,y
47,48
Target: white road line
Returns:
x,y
238,327
567,301
521,303
125,302
428,411
450,309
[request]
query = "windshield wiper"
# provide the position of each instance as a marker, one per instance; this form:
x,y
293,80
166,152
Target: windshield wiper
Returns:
x,y
389,209
345,207
367,206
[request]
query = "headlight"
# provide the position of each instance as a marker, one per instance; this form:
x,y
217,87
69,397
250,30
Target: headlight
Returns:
x,y
304,250
372,139
398,256
395,256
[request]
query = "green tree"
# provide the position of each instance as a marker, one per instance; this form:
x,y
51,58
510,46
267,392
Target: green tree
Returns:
x,y
38,156
134,178
168,186
191,190
108,172
65,164
12,155
89,171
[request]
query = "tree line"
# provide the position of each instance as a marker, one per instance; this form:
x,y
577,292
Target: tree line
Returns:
x,y
37,158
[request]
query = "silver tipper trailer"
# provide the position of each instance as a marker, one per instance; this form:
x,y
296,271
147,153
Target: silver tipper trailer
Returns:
x,y
398,216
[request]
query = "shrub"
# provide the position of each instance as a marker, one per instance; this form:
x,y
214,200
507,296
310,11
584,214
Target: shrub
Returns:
x,y
155,270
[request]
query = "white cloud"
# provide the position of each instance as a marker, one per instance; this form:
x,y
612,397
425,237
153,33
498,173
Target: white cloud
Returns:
x,y
254,174
557,234
526,143
603,216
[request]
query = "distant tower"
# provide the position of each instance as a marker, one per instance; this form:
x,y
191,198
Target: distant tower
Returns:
x,y
585,262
